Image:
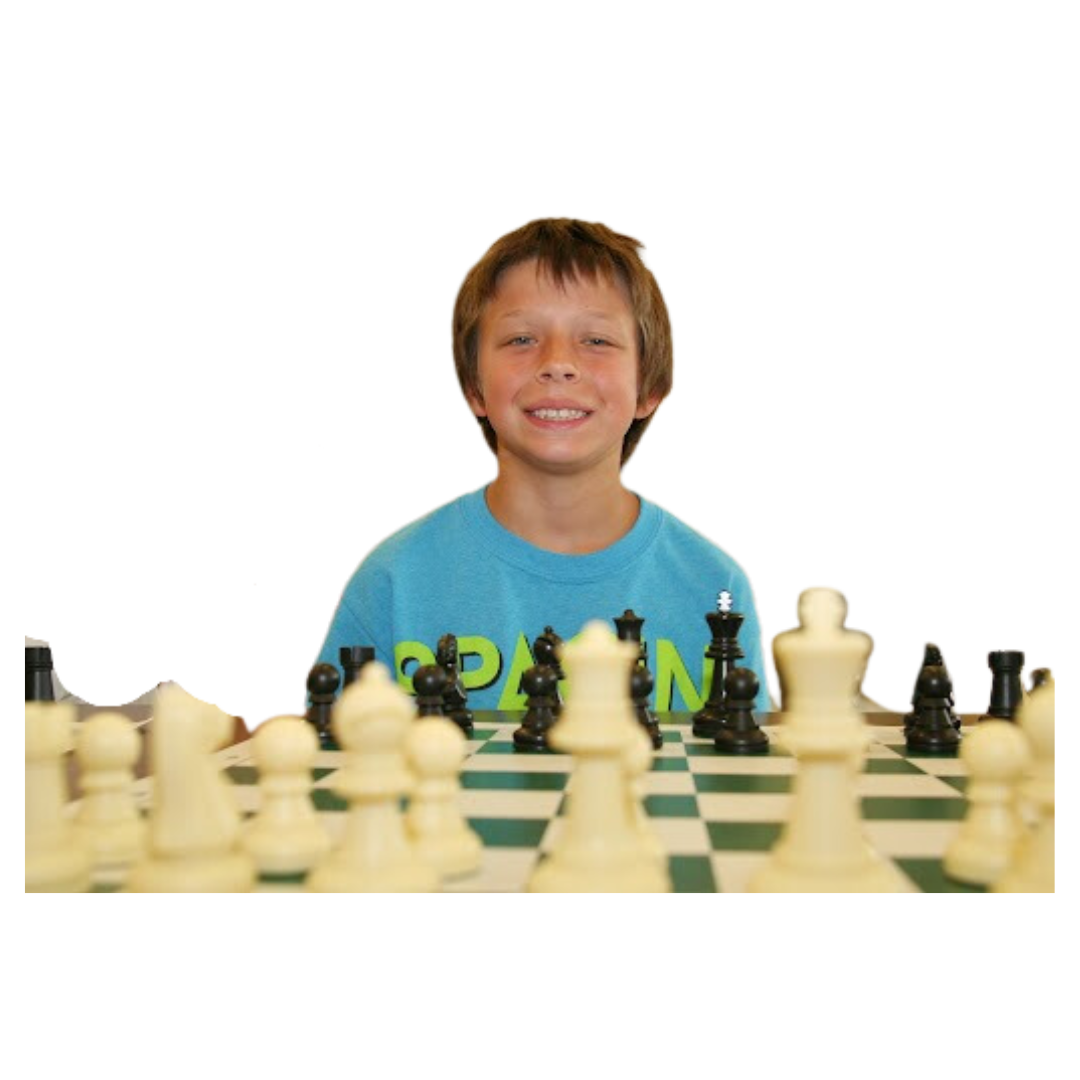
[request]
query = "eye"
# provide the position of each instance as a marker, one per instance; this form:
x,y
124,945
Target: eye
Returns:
x,y
597,341
520,339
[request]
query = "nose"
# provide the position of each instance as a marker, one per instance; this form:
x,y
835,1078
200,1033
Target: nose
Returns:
x,y
557,363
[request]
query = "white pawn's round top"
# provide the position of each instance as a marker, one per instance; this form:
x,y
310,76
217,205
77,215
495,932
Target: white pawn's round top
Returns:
x,y
284,744
107,741
436,746
996,751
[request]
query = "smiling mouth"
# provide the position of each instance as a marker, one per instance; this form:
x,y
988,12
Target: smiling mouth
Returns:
x,y
558,414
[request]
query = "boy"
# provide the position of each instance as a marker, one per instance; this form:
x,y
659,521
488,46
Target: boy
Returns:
x,y
563,350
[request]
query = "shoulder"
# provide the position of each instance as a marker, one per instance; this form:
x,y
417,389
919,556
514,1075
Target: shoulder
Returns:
x,y
435,532
685,545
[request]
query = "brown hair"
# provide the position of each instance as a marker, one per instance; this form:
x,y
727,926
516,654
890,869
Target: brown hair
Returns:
x,y
566,248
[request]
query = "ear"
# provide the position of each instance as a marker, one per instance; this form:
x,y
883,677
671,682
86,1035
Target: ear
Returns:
x,y
648,407
476,403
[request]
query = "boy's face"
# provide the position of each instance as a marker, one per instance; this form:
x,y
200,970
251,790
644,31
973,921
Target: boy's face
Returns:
x,y
559,371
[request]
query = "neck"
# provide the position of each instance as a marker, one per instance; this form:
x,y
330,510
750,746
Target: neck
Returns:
x,y
567,515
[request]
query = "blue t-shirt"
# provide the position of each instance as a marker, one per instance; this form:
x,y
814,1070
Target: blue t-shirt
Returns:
x,y
459,571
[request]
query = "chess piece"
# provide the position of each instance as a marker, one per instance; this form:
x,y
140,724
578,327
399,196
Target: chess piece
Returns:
x,y
628,628
39,673
322,683
739,733
931,658
637,759
371,722
195,821
455,699
107,747
1032,866
541,685
435,748
932,730
1041,677
995,754
641,688
600,848
547,652
353,658
822,848
429,681
57,860
286,836
724,650
1006,691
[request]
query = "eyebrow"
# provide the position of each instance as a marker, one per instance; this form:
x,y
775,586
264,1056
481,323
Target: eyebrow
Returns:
x,y
588,313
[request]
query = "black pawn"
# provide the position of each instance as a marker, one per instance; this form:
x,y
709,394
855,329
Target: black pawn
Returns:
x,y
1007,691
739,733
353,658
322,684
39,673
641,688
933,731
540,684
429,682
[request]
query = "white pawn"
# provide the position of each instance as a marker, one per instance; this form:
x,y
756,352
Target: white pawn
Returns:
x,y
995,755
56,859
286,835
370,722
600,848
1032,866
439,832
107,747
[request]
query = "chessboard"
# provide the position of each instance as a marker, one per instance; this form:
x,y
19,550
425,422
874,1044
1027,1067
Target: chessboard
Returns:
x,y
716,815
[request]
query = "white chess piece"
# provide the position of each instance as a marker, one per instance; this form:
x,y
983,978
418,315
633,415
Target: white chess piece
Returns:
x,y
56,859
107,747
600,848
370,721
440,834
995,755
195,821
637,758
286,836
822,848
1032,866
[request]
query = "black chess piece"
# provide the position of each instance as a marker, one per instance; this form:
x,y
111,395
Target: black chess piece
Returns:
x,y
39,673
540,684
322,684
641,688
455,698
353,659
628,628
933,731
1007,691
546,650
931,658
1042,676
429,681
724,651
739,732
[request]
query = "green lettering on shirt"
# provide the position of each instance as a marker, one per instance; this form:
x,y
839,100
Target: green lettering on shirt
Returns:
x,y
512,697
490,662
671,671
405,652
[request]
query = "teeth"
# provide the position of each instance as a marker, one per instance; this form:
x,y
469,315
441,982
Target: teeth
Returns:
x,y
559,414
